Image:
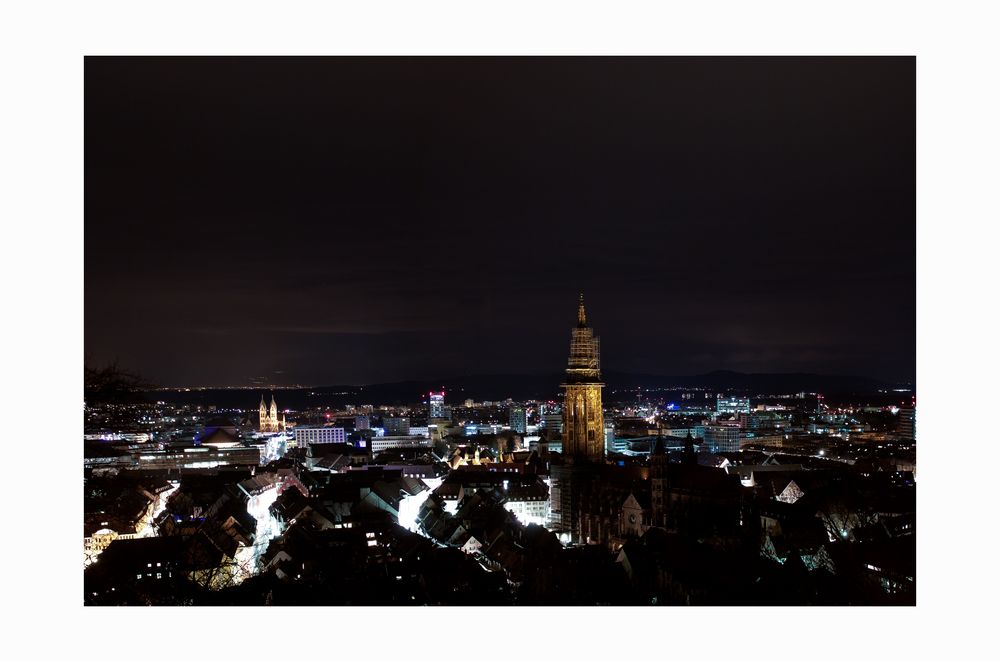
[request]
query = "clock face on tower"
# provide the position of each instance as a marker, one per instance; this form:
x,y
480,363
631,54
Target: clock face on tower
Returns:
x,y
631,518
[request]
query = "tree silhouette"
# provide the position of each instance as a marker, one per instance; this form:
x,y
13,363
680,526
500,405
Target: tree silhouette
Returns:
x,y
113,385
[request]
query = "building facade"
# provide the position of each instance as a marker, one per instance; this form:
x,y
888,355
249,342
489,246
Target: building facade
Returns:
x,y
907,428
435,408
270,420
732,405
306,435
722,438
396,426
518,420
552,421
583,413
386,442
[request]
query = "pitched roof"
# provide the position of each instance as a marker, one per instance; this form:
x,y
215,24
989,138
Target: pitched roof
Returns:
x,y
219,436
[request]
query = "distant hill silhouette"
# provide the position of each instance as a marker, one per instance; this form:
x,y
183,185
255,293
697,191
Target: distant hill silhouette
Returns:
x,y
529,387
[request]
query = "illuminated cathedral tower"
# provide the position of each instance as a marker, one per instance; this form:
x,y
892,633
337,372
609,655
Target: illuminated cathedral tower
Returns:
x,y
269,421
583,415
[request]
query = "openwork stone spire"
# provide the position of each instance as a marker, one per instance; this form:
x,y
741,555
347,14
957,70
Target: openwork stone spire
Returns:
x,y
583,414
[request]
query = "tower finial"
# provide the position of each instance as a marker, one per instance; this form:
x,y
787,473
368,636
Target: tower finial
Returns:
x,y
581,314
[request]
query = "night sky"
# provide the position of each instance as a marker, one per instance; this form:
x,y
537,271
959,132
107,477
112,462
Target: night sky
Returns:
x,y
361,220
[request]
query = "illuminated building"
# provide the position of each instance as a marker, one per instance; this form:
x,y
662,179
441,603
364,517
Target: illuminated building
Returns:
x,y
315,434
722,438
552,421
907,423
124,516
473,429
765,439
583,430
399,441
436,406
518,420
732,406
530,510
583,415
269,418
196,457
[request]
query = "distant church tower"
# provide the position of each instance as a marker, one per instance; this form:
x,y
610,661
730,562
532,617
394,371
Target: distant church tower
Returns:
x,y
583,414
269,421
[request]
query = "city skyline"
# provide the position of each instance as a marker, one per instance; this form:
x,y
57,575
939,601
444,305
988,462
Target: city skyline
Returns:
x,y
360,220
328,257
395,230
646,499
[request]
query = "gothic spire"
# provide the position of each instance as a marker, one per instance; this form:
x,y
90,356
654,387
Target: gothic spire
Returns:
x,y
689,456
581,314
